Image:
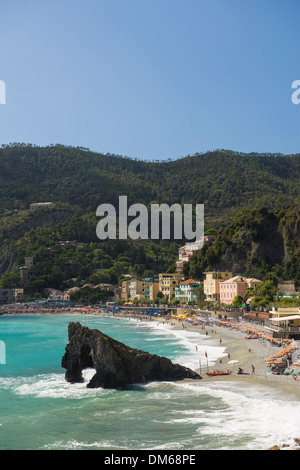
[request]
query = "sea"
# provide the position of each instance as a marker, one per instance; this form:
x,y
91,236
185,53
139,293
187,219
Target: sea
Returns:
x,y
41,411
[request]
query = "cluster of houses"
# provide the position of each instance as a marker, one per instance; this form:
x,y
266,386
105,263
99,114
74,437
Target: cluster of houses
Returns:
x,y
169,284
217,286
222,287
187,251
11,296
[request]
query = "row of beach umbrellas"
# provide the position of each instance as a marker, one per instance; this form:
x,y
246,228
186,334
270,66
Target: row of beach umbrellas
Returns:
x,y
283,353
275,359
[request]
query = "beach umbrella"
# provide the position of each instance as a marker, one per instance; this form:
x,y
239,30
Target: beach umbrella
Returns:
x,y
234,361
279,363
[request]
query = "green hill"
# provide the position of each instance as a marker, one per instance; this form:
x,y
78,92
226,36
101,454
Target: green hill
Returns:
x,y
251,200
222,180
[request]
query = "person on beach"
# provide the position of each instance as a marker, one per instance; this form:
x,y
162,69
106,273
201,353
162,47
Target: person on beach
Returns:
x,y
253,370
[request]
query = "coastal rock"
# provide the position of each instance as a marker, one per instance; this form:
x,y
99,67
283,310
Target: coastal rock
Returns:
x,y
116,364
291,447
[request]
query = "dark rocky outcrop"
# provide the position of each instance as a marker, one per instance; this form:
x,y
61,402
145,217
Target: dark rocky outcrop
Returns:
x,y
116,364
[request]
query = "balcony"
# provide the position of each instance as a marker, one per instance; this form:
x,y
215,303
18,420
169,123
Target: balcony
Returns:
x,y
283,331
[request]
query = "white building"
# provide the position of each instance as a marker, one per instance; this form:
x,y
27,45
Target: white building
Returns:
x,y
187,251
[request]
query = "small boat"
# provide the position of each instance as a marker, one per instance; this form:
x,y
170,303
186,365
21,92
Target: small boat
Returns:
x,y
218,372
251,337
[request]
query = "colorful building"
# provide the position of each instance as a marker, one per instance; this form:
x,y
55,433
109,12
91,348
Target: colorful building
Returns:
x,y
150,289
135,289
234,286
211,285
168,282
146,289
11,296
186,291
284,323
187,251
125,293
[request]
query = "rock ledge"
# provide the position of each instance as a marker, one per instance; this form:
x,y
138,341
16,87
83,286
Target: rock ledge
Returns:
x,y
116,364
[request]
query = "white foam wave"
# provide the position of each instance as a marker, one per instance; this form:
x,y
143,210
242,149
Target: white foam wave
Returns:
x,y
191,346
76,445
52,386
196,343
253,414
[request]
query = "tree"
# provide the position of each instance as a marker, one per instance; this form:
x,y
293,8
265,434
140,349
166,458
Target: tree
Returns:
x,y
237,301
267,290
10,280
34,286
171,269
89,296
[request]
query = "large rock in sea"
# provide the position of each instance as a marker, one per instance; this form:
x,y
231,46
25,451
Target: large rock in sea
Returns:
x,y
116,364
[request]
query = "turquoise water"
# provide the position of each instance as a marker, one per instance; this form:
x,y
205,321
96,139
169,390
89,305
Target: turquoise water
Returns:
x,y
40,410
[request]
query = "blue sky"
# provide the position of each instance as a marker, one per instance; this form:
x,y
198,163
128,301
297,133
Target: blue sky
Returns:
x,y
152,79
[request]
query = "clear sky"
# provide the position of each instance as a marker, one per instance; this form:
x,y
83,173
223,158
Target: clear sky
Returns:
x,y
151,79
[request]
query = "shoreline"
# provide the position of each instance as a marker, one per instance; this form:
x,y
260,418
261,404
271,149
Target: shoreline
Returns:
x,y
283,389
247,352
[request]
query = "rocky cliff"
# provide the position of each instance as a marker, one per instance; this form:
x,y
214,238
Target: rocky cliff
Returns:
x,y
256,243
116,364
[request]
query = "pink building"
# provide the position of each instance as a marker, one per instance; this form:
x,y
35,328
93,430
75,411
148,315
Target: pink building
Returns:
x,y
237,285
54,294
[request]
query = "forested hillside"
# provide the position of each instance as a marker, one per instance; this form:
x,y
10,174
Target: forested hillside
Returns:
x,y
251,202
258,242
222,180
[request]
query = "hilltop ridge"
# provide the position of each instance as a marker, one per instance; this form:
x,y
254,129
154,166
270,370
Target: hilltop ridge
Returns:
x,y
223,180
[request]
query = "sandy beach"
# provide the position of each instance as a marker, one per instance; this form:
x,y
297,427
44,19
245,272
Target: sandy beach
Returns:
x,y
248,352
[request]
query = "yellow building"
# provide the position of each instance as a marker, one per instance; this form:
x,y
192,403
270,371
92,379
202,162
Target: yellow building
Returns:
x,y
150,289
168,282
11,296
285,322
286,316
146,289
125,290
211,285
135,289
